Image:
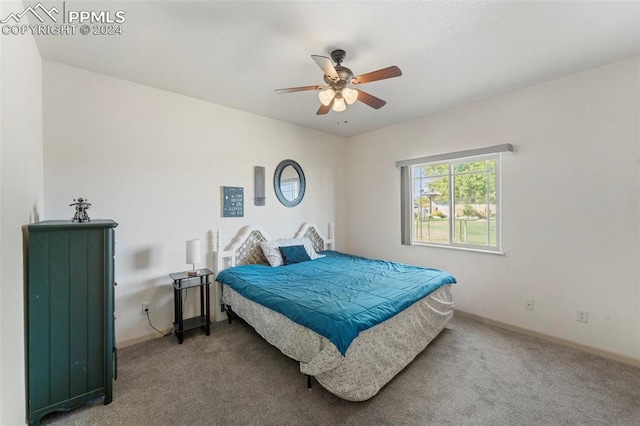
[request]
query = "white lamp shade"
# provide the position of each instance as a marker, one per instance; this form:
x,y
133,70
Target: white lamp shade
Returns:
x,y
193,252
339,105
326,96
349,95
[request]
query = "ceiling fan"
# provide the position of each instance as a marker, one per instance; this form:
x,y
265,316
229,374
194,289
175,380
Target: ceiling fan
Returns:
x,y
336,94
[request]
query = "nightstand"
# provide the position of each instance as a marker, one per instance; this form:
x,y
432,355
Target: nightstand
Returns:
x,y
181,282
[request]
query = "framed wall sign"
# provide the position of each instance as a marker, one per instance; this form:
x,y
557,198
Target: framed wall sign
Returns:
x,y
232,201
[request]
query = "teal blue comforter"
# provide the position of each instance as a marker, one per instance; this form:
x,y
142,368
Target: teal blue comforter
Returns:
x,y
337,296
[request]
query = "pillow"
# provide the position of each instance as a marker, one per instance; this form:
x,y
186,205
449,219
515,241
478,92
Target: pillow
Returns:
x,y
294,254
274,257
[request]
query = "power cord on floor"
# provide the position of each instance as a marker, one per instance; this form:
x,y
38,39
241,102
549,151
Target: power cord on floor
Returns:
x,y
169,333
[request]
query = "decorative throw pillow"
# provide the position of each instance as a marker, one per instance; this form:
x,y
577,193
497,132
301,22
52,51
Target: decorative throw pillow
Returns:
x,y
274,257
294,254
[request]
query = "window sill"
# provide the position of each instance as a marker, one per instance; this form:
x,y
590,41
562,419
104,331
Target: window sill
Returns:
x,y
444,246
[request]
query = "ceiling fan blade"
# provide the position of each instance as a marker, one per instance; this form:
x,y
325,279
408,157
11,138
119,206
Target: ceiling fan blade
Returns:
x,y
327,67
370,100
324,108
382,74
299,89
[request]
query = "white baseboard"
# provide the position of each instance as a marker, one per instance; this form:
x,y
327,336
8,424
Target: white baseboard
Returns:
x,y
145,338
605,354
219,316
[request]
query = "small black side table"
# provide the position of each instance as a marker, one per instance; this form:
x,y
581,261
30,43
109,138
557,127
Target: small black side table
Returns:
x,y
183,281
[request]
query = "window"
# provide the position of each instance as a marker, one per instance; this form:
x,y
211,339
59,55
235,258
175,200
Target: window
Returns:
x,y
290,187
453,199
456,203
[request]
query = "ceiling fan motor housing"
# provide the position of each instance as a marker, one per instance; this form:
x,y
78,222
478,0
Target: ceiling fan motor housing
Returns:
x,y
345,74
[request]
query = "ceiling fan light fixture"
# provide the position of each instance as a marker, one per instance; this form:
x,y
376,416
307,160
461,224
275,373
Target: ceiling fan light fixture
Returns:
x,y
326,96
349,95
339,105
335,94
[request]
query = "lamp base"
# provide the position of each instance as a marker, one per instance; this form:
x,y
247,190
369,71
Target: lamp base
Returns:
x,y
192,273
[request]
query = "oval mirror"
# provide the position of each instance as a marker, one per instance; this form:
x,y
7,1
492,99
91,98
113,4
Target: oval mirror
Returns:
x,y
289,183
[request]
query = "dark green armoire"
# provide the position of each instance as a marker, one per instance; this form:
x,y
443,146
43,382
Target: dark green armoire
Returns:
x,y
71,353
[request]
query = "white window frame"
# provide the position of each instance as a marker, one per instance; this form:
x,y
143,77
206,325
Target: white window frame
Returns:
x,y
451,158
290,188
452,206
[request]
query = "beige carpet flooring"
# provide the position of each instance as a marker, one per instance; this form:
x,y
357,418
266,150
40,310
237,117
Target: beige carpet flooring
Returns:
x,y
472,374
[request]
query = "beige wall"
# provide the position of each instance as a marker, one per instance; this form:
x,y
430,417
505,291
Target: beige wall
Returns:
x,y
21,202
154,162
576,147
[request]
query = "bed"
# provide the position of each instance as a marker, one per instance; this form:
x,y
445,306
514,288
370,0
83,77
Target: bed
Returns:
x,y
352,346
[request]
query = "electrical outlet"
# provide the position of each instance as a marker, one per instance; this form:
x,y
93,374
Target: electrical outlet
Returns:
x,y
146,307
528,304
583,316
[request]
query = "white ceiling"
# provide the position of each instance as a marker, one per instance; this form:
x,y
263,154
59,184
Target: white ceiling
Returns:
x,y
236,53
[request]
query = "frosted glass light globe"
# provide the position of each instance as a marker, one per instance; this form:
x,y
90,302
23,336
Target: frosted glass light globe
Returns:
x,y
326,96
349,95
339,105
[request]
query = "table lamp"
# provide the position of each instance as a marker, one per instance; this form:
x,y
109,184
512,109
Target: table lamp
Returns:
x,y
193,255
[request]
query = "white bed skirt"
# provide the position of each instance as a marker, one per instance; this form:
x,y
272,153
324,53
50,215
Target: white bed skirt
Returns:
x,y
373,358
